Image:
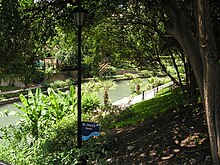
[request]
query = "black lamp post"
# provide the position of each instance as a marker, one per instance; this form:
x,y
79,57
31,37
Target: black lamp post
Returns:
x,y
79,15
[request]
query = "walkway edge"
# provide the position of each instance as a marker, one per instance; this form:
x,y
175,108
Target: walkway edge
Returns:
x,y
128,101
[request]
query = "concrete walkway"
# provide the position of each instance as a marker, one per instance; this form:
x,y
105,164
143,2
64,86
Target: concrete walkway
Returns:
x,y
128,101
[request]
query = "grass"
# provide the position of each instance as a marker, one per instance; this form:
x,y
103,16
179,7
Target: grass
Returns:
x,y
171,99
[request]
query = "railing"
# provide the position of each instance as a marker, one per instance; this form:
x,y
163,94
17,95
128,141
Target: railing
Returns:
x,y
127,101
151,93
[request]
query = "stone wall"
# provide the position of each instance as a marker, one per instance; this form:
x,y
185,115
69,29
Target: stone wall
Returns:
x,y
11,82
51,78
124,71
62,76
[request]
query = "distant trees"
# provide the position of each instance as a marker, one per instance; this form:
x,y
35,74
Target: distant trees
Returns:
x,y
28,29
17,46
116,34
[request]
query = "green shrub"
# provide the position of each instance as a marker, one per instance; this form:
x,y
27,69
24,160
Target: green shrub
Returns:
x,y
47,132
111,71
59,84
58,146
45,84
69,82
128,75
38,77
60,143
146,73
14,144
90,102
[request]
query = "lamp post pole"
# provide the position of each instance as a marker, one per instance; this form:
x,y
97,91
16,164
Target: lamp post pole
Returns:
x,y
79,95
79,15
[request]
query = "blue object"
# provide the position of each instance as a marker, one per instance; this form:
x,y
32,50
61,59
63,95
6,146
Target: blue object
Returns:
x,y
89,129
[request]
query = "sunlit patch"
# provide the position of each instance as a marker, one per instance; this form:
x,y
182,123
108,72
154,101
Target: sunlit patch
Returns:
x,y
192,140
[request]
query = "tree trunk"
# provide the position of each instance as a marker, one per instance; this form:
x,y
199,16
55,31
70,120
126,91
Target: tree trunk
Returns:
x,y
177,71
210,60
163,67
193,84
179,28
105,96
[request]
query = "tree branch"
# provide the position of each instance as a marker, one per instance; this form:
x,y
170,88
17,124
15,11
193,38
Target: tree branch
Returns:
x,y
179,28
59,3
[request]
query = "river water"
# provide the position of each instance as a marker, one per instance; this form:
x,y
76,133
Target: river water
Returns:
x,y
11,119
121,90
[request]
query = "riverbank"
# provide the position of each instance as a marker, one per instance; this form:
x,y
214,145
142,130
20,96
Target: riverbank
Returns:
x,y
146,95
23,90
15,99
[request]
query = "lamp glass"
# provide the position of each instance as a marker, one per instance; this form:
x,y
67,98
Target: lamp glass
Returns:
x,y
79,15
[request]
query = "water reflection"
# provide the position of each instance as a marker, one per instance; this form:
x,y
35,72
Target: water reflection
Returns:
x,y
7,120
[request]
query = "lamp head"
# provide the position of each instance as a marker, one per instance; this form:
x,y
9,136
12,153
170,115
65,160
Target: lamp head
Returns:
x,y
79,15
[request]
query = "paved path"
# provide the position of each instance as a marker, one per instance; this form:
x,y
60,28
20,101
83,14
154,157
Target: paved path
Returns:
x,y
128,101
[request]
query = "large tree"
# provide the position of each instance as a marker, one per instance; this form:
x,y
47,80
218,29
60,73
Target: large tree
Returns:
x,y
191,24
16,46
204,59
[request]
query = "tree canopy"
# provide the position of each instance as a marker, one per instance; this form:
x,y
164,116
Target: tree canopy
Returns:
x,y
143,32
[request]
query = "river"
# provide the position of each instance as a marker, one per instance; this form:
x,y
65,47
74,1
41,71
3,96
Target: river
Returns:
x,y
11,119
121,90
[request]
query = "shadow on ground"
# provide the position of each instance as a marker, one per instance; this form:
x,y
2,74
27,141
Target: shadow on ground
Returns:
x,y
176,137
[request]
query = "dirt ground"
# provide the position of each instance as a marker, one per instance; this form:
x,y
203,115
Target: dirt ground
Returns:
x,y
178,137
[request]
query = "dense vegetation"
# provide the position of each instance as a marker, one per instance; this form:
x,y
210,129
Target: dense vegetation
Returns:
x,y
106,42
46,133
146,34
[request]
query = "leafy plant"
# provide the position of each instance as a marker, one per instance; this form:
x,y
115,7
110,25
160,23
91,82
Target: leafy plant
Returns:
x,y
57,147
105,86
89,86
58,104
50,70
39,111
59,84
51,122
136,85
146,73
111,71
32,109
154,82
128,75
90,102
